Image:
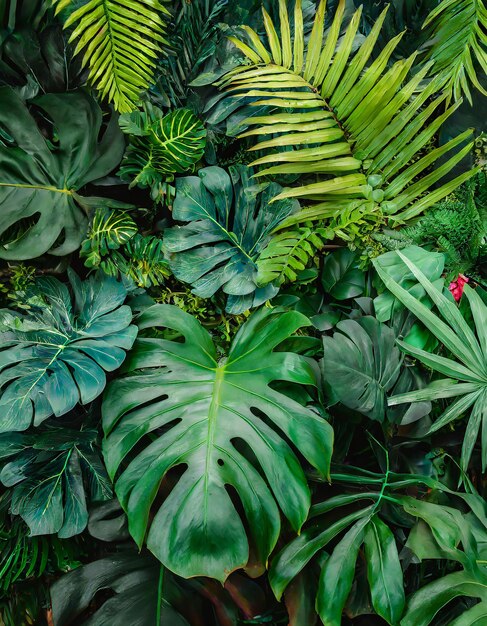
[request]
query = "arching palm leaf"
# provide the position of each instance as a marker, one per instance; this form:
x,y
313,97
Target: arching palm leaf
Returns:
x,y
459,40
121,41
356,126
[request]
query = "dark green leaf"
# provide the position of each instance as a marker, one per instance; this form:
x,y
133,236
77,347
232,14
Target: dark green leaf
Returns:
x,y
341,276
56,357
337,575
384,571
39,181
229,224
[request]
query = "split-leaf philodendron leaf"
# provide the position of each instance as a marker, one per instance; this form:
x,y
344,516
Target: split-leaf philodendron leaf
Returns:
x,y
40,177
224,429
229,223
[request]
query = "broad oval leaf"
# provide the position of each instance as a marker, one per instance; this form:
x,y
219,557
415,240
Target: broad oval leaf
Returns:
x,y
229,223
56,356
40,209
220,422
341,276
141,592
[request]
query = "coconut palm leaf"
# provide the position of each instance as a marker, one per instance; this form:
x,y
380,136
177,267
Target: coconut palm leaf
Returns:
x,y
121,42
459,43
353,125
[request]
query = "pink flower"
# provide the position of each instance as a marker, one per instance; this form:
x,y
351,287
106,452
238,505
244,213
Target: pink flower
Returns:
x,y
456,287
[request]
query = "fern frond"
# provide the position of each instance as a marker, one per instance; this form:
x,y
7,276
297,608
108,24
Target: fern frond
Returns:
x,y
356,124
160,145
121,42
287,253
458,42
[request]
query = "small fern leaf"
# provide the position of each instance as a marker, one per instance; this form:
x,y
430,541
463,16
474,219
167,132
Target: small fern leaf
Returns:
x,y
121,42
458,31
288,253
162,145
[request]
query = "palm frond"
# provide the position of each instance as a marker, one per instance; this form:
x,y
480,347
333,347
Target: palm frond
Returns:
x,y
288,253
459,42
121,42
354,125
194,36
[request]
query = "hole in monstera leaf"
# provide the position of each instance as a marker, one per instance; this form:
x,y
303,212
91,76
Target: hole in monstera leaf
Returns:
x,y
46,126
20,229
220,462
245,450
5,137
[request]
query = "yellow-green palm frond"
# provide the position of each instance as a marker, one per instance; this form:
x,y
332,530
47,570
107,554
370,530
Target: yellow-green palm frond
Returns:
x,y
459,40
121,40
353,123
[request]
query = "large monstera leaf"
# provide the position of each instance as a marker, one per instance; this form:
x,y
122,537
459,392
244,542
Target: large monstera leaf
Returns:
x,y
351,121
56,356
223,425
229,224
40,208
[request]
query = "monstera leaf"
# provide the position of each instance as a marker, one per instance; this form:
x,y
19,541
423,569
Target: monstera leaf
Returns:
x,y
160,145
144,592
362,364
47,473
55,357
40,209
221,424
230,223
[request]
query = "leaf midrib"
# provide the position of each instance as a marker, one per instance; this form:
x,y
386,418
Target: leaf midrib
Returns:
x,y
212,420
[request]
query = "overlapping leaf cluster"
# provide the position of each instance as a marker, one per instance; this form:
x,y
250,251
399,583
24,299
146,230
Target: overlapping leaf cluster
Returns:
x,y
243,360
